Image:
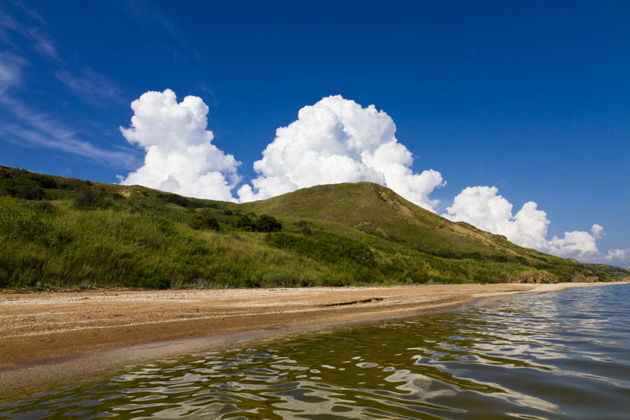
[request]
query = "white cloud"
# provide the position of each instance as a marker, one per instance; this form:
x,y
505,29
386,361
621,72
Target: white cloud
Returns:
x,y
618,256
484,208
577,244
180,156
336,140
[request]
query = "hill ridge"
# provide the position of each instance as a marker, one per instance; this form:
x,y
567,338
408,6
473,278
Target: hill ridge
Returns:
x,y
58,232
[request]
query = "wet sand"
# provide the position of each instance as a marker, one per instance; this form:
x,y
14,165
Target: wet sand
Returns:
x,y
47,338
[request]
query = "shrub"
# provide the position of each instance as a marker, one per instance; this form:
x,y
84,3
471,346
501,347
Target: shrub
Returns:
x,y
267,224
245,222
175,199
22,189
92,198
42,286
204,222
262,223
304,227
28,192
44,181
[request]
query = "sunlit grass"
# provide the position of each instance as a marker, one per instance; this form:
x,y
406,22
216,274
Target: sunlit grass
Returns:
x,y
57,232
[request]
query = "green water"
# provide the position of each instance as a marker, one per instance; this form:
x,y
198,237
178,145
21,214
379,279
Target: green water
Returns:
x,y
562,355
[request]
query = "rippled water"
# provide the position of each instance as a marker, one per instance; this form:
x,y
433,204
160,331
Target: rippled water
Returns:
x,y
557,355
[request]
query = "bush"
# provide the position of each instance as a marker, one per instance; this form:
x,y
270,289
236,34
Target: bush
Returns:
x,y
262,223
205,222
28,192
245,222
24,189
45,181
42,286
267,224
304,227
92,198
175,199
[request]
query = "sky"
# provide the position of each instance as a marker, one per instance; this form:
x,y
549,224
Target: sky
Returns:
x,y
512,116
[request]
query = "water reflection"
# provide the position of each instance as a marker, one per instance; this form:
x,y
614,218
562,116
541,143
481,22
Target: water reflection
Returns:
x,y
561,355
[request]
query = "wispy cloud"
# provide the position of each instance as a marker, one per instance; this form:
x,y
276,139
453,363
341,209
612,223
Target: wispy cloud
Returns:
x,y
24,124
34,128
41,42
89,84
44,45
29,126
10,70
30,12
25,136
86,82
147,14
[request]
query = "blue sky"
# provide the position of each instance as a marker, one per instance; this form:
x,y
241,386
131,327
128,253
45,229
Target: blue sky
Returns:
x,y
530,97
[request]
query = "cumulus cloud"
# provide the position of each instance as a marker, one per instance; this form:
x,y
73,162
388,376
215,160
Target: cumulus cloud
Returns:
x,y
486,209
577,244
180,156
618,256
337,140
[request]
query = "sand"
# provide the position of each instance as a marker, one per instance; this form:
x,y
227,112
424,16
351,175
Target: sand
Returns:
x,y
55,337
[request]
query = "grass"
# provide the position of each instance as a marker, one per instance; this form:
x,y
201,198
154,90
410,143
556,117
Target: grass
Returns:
x,y
66,233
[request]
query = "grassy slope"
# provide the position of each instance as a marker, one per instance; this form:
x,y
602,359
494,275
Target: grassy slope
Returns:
x,y
60,232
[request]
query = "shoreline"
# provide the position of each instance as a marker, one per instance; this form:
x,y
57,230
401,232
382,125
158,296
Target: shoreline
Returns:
x,y
51,338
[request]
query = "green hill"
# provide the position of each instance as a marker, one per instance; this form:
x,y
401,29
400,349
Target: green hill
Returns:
x,y
59,232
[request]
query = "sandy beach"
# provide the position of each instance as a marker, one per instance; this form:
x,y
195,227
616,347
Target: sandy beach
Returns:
x,y
51,337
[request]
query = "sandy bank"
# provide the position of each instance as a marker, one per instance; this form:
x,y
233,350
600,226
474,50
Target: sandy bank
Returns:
x,y
48,337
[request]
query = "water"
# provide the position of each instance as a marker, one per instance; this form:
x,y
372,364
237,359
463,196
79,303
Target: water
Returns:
x,y
561,355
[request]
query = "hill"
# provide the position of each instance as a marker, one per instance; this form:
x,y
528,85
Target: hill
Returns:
x,y
61,232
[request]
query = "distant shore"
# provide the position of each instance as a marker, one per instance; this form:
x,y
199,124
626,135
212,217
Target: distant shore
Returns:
x,y
47,338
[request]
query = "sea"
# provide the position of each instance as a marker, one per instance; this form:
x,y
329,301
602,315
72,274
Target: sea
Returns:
x,y
561,355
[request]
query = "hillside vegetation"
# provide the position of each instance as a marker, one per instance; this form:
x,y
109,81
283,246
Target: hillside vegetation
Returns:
x,y
59,232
